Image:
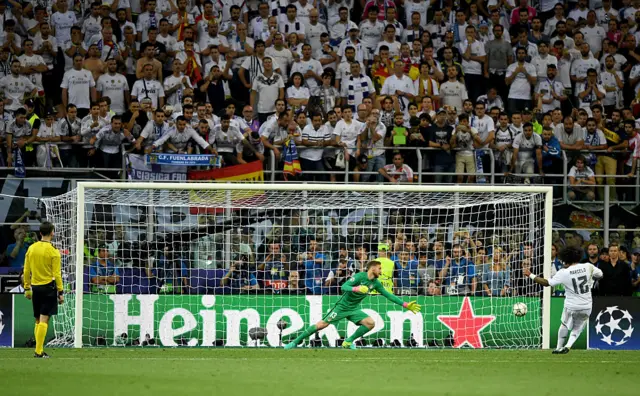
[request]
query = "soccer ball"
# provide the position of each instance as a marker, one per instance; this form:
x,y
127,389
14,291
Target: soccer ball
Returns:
x,y
519,309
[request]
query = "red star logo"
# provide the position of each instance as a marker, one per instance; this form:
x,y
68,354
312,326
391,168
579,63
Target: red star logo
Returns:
x,y
466,326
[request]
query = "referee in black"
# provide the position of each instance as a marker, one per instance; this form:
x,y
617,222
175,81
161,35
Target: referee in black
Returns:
x,y
43,283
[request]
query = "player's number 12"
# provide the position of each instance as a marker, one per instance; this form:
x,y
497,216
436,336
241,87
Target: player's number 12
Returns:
x,y
582,288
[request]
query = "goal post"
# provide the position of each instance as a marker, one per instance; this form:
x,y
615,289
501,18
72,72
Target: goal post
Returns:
x,y
503,218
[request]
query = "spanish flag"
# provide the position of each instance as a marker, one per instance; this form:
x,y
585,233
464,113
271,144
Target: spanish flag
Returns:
x,y
291,162
213,201
183,25
191,68
380,74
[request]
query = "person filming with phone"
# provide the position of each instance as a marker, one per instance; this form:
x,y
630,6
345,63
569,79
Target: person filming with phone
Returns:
x,y
239,279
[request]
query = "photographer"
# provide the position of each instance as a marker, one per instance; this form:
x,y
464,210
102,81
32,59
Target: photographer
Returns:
x,y
22,220
170,270
103,274
17,251
94,238
406,279
239,279
338,276
459,273
272,270
121,247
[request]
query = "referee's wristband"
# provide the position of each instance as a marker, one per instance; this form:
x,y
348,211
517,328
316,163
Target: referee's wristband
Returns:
x,y
533,276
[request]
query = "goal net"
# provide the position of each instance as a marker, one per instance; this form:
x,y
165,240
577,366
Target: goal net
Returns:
x,y
252,265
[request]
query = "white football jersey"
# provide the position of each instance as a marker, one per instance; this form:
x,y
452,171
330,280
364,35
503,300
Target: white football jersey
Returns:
x,y
577,280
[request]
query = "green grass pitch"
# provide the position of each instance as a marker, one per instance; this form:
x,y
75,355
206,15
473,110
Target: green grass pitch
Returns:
x,y
304,372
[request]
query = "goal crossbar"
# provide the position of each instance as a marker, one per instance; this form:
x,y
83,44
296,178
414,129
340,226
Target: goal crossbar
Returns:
x,y
471,188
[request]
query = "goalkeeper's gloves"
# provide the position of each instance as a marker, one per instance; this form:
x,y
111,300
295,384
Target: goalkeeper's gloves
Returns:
x,y
362,289
412,306
28,293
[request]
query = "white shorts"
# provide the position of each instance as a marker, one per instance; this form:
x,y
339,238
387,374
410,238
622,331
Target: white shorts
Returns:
x,y
575,319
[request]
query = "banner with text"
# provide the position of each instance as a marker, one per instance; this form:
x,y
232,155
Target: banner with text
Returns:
x,y
138,169
209,320
23,322
612,323
183,159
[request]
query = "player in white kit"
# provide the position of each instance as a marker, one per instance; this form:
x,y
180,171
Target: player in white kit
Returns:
x,y
577,279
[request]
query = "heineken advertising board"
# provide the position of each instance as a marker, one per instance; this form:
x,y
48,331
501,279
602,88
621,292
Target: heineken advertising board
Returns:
x,y
226,320
198,318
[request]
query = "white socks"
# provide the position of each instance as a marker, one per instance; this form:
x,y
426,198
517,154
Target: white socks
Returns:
x,y
572,338
563,332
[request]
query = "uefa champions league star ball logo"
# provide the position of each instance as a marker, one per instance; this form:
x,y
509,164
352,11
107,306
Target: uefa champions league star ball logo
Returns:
x,y
614,326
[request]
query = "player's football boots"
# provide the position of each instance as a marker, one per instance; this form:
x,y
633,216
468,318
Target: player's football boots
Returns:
x,y
290,345
349,345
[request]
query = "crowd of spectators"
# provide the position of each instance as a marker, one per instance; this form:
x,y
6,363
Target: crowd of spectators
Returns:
x,y
287,260
480,264
414,263
342,80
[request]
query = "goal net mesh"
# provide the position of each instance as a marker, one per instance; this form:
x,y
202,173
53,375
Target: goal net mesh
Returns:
x,y
230,268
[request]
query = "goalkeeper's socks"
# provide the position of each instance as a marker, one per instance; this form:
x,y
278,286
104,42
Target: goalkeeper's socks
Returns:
x,y
310,330
360,331
35,331
41,334
563,332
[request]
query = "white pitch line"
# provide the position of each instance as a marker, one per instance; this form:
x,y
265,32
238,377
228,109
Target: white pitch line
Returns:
x,y
311,359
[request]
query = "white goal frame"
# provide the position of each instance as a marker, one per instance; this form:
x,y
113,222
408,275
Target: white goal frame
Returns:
x,y
470,188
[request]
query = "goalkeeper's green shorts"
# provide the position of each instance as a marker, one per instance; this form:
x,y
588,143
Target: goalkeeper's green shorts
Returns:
x,y
336,315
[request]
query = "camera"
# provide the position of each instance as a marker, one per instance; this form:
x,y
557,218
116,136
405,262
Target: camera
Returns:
x,y
242,262
34,215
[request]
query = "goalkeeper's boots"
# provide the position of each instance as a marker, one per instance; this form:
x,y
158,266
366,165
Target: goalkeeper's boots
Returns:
x,y
41,356
290,345
349,345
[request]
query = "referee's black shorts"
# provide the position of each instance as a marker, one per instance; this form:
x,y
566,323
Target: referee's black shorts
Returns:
x,y
45,300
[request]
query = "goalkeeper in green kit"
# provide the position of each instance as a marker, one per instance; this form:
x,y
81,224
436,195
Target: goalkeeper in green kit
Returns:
x,y
354,291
